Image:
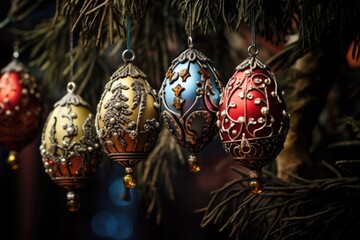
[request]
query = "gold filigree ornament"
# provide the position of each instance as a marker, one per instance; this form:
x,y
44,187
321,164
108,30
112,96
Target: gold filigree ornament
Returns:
x,y
70,148
127,118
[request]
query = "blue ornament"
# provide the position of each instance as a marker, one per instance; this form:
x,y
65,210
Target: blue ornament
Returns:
x,y
189,98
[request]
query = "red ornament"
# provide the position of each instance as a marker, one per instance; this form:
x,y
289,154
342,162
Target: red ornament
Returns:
x,y
20,109
253,119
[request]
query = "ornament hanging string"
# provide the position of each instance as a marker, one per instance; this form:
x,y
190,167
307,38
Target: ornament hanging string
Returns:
x,y
128,25
253,50
71,56
71,85
189,24
128,55
16,52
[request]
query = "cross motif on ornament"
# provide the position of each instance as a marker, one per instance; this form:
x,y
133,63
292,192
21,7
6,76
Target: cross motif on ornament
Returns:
x,y
168,74
177,100
184,74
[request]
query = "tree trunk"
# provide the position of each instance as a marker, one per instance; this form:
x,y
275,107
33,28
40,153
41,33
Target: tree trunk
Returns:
x,y
309,81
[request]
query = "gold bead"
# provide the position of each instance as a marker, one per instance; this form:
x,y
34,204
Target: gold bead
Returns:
x,y
129,181
13,161
72,205
194,166
255,186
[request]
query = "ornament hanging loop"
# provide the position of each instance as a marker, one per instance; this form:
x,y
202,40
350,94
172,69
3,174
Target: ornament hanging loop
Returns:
x,y
253,50
128,55
71,86
16,52
190,42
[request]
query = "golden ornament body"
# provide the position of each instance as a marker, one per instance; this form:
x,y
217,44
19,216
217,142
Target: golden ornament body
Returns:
x,y
127,118
70,148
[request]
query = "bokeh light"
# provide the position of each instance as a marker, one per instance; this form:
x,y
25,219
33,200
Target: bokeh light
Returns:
x,y
112,225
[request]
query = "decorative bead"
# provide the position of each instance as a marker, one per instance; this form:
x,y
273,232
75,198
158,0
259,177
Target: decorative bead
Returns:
x,y
255,186
129,181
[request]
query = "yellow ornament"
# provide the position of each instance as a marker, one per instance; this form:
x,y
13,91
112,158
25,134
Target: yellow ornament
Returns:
x,y
70,148
127,119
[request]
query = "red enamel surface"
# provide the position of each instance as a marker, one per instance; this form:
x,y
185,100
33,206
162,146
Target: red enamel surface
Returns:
x,y
10,88
246,108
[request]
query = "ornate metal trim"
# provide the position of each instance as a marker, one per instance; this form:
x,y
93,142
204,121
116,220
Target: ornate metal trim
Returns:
x,y
60,154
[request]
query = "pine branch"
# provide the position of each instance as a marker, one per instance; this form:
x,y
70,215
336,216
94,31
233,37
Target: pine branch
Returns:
x,y
355,125
295,209
19,11
49,52
157,39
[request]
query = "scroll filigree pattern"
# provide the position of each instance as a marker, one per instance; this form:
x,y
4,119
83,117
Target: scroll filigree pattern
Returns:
x,y
253,119
191,117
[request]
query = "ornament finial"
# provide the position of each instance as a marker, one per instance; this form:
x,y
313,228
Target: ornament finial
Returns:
x,y
256,186
255,183
72,203
129,179
13,160
194,163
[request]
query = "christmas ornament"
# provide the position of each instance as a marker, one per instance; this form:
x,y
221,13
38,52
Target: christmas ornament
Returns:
x,y
69,148
189,97
253,119
20,108
127,119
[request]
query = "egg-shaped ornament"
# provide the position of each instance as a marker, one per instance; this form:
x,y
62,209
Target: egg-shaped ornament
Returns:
x,y
20,109
253,119
70,148
127,118
189,98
